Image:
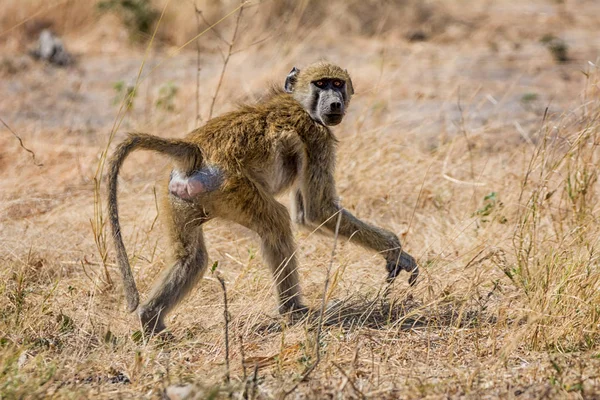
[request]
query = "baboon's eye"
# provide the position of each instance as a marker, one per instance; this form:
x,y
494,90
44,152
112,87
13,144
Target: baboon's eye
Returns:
x,y
338,83
320,83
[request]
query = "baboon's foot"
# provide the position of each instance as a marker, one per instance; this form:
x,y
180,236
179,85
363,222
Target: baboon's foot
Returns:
x,y
164,337
293,310
405,262
152,323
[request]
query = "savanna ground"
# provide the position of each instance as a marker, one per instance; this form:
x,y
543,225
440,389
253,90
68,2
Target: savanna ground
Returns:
x,y
473,135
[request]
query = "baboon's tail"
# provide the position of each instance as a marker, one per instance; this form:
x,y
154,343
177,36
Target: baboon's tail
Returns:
x,y
188,154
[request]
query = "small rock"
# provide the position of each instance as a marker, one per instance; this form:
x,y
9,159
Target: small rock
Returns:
x,y
119,378
417,36
22,359
183,392
51,49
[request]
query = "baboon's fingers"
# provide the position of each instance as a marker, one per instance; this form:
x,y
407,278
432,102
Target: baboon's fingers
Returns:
x,y
405,263
295,313
414,274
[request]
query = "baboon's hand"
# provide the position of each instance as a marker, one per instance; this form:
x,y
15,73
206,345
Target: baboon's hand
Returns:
x,y
405,262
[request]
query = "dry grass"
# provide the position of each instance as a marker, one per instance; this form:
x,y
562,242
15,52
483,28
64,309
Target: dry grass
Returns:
x,y
474,146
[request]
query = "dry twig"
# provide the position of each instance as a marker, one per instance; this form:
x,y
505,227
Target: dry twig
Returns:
x,y
226,315
21,143
350,381
198,68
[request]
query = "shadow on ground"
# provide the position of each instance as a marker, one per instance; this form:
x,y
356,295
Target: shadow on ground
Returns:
x,y
384,313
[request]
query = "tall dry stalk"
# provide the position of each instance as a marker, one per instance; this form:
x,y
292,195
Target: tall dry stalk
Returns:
x,y
197,13
98,222
314,365
231,43
226,330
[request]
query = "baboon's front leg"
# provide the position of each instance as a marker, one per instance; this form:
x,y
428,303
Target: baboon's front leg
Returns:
x,y
321,207
374,238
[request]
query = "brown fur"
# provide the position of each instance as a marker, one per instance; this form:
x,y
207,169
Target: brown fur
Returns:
x,y
262,150
323,70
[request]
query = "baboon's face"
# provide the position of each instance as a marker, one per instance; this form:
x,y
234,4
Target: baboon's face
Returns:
x,y
323,89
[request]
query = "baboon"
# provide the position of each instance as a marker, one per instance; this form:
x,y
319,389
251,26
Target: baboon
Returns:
x,y
233,167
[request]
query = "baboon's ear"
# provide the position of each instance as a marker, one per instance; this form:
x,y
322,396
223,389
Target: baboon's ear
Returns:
x,y
290,80
349,85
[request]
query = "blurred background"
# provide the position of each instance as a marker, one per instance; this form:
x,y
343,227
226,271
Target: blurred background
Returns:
x,y
415,51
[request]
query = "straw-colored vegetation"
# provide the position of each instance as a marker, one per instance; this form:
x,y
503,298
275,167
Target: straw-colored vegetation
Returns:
x,y
473,135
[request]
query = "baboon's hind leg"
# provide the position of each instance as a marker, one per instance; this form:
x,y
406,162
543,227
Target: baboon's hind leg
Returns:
x,y
190,263
259,211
